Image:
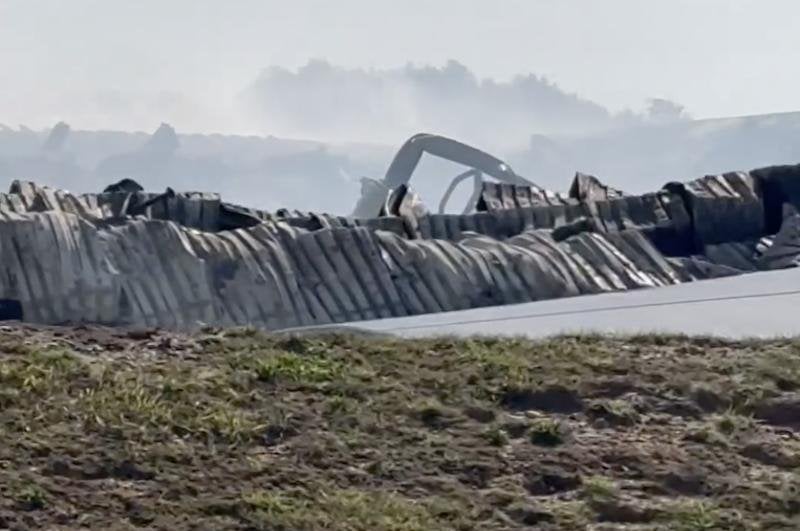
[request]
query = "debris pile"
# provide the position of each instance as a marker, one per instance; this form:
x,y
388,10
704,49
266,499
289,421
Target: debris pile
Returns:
x,y
180,260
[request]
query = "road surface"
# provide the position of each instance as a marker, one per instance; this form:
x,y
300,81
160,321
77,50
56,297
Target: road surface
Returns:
x,y
752,305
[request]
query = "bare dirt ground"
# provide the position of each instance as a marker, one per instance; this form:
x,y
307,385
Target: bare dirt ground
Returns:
x,y
111,429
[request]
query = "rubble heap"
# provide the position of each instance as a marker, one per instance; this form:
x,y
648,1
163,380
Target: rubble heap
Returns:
x,y
180,260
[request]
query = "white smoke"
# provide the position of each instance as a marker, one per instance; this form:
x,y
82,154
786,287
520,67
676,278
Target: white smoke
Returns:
x,y
326,102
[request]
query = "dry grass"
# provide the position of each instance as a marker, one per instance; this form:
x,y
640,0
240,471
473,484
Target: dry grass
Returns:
x,y
238,430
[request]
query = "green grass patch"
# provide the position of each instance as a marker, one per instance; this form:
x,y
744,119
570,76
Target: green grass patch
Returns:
x,y
332,509
30,497
495,436
40,372
598,488
694,516
297,368
546,432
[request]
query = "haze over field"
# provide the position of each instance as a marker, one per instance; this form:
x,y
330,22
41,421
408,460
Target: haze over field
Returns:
x,y
613,88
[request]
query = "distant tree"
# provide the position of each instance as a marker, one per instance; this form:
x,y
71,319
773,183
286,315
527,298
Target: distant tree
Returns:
x,y
164,141
57,137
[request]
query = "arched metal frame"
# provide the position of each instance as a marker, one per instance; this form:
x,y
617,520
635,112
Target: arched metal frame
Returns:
x,y
407,159
477,177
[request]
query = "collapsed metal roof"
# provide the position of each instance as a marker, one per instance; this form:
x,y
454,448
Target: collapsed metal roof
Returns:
x,y
179,260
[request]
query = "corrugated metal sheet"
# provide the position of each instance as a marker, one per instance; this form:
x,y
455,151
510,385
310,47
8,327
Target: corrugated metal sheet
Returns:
x,y
63,268
725,208
661,216
784,250
82,258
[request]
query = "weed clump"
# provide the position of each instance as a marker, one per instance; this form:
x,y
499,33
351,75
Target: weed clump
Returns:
x,y
546,432
296,368
31,497
350,509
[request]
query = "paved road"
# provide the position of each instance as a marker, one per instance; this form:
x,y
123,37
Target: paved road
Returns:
x,y
753,305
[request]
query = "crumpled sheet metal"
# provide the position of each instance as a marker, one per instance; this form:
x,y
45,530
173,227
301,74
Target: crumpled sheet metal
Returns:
x,y
584,188
66,269
717,215
784,250
661,216
724,208
78,258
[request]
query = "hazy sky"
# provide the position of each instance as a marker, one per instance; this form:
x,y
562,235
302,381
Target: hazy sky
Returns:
x,y
125,64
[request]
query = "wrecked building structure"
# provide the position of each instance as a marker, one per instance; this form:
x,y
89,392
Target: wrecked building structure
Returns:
x,y
182,260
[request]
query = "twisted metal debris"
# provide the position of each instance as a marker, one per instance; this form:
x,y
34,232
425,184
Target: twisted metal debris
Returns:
x,y
180,260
